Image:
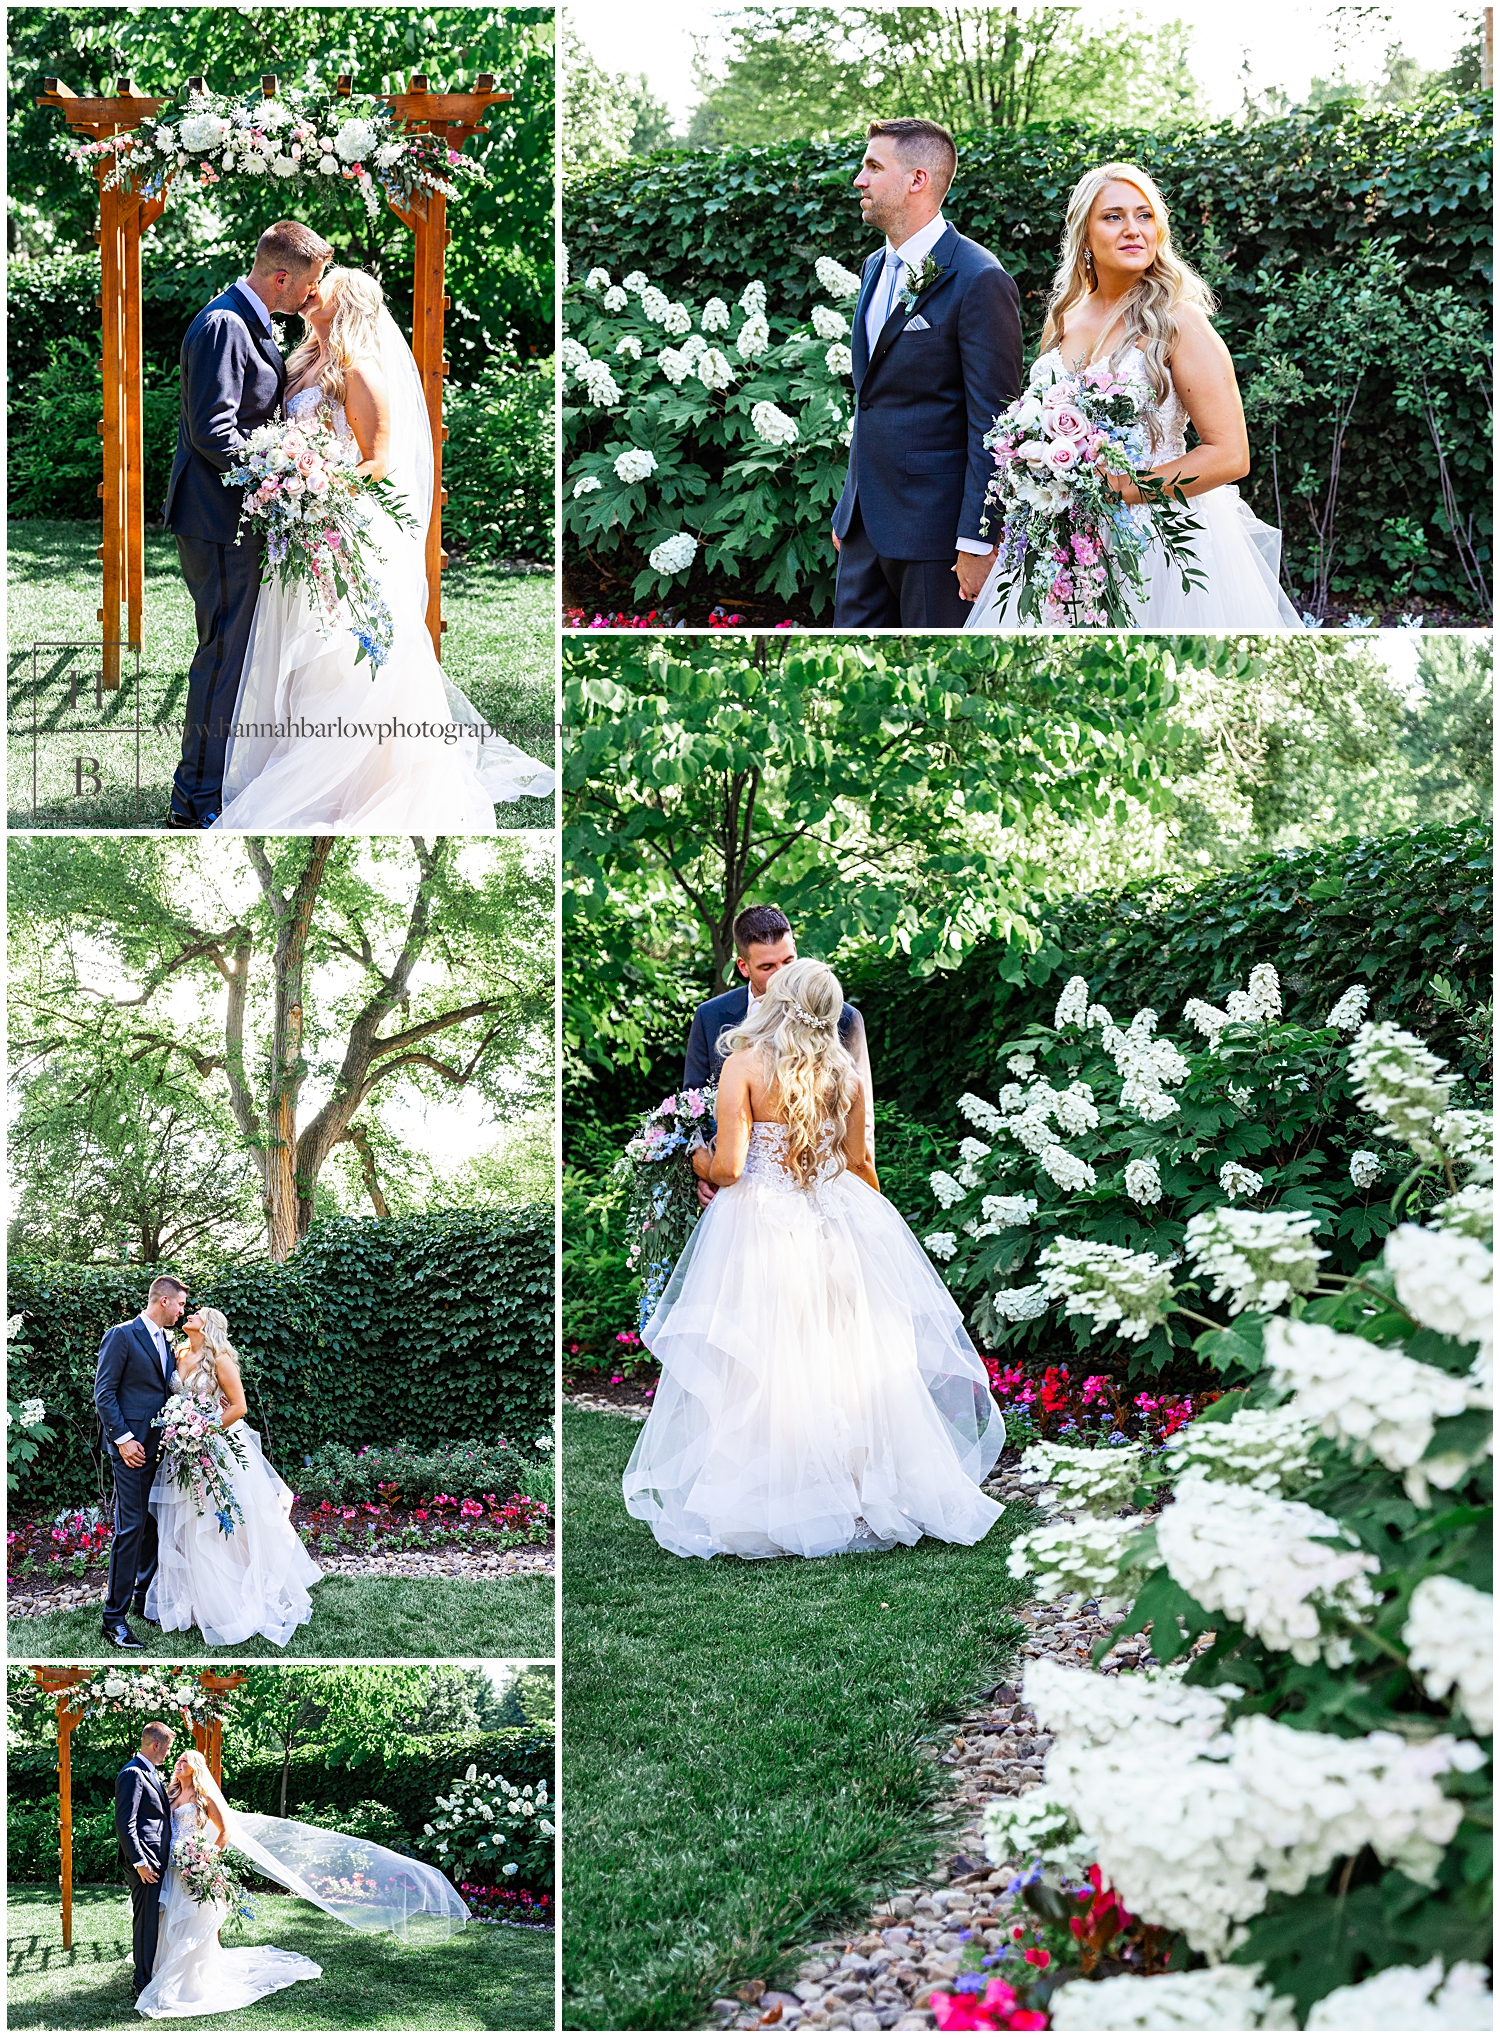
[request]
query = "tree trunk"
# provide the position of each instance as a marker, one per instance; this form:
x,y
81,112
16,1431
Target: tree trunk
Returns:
x,y
289,1199
359,1139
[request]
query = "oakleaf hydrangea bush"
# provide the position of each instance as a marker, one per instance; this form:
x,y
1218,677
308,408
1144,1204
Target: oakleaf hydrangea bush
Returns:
x,y
695,429
489,1831
1289,1813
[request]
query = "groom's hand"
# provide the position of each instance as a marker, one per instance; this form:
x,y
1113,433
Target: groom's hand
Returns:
x,y
134,1455
973,570
147,1874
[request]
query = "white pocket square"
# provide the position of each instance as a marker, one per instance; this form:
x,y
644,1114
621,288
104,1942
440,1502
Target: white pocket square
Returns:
x,y
917,325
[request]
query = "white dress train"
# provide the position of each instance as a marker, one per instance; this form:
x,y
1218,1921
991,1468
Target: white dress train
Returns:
x,y
194,1975
253,1582
819,1392
1239,555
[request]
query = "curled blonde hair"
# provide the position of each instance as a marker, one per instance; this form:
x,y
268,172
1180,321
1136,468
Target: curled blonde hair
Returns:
x,y
200,1772
354,335
215,1346
1149,305
793,1031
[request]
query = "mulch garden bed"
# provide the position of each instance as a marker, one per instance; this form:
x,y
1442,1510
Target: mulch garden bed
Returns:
x,y
607,1387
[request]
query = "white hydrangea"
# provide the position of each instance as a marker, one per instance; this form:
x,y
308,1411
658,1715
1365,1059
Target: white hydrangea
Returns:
x,y
1096,1557
674,555
1265,991
673,364
773,425
354,141
1365,1168
1195,1837
1074,1108
1092,1482
596,279
1034,1827
1067,1169
838,360
827,323
1468,1137
971,1150
1410,1999
715,317
1143,1180
1444,1279
1008,1213
753,299
947,1191
1348,1014
1398,1078
1241,1096
1267,1448
754,338
628,346
1259,1258
637,280
1098,1015
586,484
571,354
1020,1305
941,1244
615,299
694,347
202,131
655,304
677,321
840,283
1470,1213
1095,1709
980,1113
1023,1065
601,385
714,370
1226,1998
1448,1638
1108,1282
1145,1064
1073,1005
1257,1558
1237,1181
634,464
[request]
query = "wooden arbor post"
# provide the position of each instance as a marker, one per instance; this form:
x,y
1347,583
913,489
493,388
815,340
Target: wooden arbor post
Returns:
x,y
123,218
454,116
59,1681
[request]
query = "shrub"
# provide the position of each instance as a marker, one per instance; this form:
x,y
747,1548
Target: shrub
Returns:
x,y
412,1327
397,1472
598,1285
498,464
54,458
488,1830
1258,208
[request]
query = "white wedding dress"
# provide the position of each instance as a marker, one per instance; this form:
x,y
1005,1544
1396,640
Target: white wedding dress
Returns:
x,y
361,778
253,1582
818,1389
1239,555
365,1886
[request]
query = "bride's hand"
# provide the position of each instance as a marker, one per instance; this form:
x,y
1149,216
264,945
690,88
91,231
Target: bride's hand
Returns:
x,y
1118,484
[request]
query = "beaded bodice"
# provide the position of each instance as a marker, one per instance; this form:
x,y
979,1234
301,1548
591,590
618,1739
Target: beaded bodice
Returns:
x,y
766,1159
307,400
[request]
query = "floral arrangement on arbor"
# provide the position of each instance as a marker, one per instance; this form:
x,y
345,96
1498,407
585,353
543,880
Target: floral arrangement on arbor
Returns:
x,y
693,428
149,1692
305,134
486,1829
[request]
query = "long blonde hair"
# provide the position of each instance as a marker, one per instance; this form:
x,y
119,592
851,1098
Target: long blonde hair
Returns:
x,y
1149,305
198,1770
354,335
793,1031
215,1346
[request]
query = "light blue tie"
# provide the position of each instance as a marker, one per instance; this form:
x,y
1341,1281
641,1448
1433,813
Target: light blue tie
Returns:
x,y
893,264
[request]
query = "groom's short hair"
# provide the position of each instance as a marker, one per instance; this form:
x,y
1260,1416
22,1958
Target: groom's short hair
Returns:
x,y
759,923
165,1284
289,245
922,142
155,1731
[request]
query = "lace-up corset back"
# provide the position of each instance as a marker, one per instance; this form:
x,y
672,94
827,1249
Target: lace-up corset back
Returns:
x,y
1130,366
307,400
766,1160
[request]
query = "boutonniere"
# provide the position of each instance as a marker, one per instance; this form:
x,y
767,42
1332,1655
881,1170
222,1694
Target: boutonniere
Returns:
x,y
918,280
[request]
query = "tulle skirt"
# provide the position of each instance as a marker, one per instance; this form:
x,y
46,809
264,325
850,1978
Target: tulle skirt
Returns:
x,y
1240,558
324,743
818,1390
231,1587
195,1976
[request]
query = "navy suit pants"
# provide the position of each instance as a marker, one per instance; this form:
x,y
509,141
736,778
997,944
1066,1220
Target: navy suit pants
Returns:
x,y
872,593
224,581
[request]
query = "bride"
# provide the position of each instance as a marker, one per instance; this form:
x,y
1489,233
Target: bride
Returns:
x,y
417,758
1122,294
818,1390
229,1586
366,1886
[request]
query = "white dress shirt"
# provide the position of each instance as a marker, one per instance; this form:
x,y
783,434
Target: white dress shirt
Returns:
x,y
242,285
164,1353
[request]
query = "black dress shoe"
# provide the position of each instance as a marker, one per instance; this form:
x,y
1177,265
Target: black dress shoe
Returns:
x,y
117,1632
176,820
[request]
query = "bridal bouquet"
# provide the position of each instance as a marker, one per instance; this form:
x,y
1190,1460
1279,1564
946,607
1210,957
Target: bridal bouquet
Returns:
x,y
193,1455
212,1875
664,1204
304,498
1069,546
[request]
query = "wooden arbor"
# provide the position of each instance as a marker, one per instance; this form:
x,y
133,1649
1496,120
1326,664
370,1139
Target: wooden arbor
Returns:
x,y
208,1740
124,216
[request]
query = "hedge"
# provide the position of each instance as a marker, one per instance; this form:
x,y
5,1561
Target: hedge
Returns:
x,y
1258,208
431,1328
406,1779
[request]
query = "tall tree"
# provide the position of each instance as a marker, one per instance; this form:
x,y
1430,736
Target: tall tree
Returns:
x,y
310,980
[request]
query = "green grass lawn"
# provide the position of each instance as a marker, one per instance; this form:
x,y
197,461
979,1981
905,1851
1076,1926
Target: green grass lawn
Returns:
x,y
485,1978
351,1617
742,1761
498,648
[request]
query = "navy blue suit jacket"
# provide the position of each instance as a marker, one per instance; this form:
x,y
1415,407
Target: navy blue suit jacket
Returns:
x,y
703,1063
143,1817
129,1385
233,379
924,401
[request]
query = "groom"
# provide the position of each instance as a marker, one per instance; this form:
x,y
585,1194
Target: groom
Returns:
x,y
131,1385
763,944
233,379
937,357
143,1835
